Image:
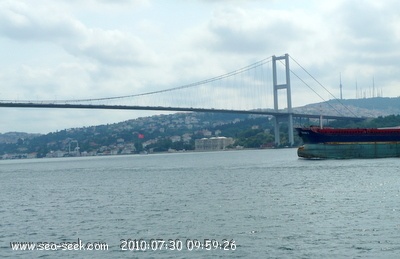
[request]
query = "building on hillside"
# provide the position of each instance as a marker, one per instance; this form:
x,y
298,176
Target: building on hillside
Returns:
x,y
215,143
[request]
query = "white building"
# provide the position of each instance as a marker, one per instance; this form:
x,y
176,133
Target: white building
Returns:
x,y
215,143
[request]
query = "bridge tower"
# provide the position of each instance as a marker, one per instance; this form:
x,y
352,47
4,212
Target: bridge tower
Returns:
x,y
283,86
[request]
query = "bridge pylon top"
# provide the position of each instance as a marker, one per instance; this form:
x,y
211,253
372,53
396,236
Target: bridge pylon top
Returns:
x,y
283,86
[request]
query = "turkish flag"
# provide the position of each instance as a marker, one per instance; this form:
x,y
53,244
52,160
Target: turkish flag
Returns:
x,y
140,135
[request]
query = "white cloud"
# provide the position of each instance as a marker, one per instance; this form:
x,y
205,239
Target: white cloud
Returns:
x,y
111,47
252,31
17,21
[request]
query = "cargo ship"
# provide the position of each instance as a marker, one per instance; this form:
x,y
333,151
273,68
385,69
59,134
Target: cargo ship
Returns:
x,y
327,143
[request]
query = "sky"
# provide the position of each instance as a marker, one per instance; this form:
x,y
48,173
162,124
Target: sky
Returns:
x,y
70,49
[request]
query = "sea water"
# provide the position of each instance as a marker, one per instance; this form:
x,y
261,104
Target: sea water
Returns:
x,y
233,204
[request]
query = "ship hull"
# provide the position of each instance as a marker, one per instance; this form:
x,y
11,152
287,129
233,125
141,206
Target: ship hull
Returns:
x,y
315,136
349,150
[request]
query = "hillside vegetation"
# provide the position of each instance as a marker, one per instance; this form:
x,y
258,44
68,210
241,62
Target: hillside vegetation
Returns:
x,y
177,132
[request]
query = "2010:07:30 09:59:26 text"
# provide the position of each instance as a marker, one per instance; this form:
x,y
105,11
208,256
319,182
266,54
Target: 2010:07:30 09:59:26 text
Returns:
x,y
176,244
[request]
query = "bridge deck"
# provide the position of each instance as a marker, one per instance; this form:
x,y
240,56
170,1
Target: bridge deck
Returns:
x,y
159,108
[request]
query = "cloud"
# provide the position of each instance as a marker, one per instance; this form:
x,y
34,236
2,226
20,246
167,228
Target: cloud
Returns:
x,y
110,47
18,22
105,5
251,31
368,26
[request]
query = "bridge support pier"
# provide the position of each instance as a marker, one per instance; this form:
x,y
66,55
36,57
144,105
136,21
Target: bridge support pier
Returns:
x,y
277,131
284,86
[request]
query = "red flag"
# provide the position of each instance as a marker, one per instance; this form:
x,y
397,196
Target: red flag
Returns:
x,y
140,135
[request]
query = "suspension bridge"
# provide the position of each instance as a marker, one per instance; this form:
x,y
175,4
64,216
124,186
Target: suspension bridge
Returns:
x,y
247,90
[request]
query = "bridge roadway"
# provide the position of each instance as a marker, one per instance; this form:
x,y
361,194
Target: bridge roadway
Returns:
x,y
159,108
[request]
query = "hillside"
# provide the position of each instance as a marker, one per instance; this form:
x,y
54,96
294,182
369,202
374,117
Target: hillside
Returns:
x,y
366,107
178,131
158,133
13,137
